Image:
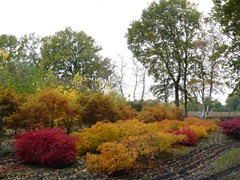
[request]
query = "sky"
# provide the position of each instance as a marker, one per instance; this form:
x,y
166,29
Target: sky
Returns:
x,y
106,21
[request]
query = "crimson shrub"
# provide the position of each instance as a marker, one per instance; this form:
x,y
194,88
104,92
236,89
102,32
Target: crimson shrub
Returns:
x,y
231,127
190,139
51,147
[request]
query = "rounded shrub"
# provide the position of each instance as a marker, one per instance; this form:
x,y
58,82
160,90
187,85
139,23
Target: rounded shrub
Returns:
x,y
231,127
47,147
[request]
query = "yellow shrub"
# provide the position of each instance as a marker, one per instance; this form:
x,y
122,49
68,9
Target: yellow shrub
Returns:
x,y
153,143
114,157
134,128
90,138
200,131
210,125
167,125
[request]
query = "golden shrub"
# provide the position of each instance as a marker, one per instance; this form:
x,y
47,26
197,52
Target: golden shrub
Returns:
x,y
114,157
90,138
152,114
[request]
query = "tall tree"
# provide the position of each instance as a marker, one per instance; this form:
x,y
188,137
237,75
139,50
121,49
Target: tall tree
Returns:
x,y
209,67
228,15
29,49
68,53
163,38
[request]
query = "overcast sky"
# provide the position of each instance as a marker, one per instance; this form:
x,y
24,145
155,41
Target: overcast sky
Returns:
x,y
106,21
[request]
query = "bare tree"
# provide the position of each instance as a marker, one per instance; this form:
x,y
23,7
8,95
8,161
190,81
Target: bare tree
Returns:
x,y
120,74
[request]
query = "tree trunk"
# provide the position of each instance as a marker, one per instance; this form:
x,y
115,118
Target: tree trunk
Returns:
x,y
177,94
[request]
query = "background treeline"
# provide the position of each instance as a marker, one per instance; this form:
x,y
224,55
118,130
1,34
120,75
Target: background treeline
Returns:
x,y
190,57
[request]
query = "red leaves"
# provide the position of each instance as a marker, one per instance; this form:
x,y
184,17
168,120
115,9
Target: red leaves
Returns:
x,y
51,147
231,127
190,139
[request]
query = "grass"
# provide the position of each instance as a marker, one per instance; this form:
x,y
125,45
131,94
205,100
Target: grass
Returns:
x,y
227,160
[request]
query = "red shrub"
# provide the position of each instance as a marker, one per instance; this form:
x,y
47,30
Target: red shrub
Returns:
x,y
51,147
190,139
231,127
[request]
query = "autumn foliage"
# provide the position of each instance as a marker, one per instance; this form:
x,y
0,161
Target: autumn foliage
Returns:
x,y
159,113
231,127
122,144
50,147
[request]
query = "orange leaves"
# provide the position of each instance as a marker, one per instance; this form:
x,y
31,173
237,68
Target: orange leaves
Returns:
x,y
48,107
159,113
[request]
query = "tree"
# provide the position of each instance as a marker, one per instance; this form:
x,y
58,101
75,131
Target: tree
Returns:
x,y
209,68
140,79
29,49
9,104
233,102
47,108
68,53
163,38
119,75
228,15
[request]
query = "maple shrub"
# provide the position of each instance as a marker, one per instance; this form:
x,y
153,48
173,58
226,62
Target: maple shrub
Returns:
x,y
114,157
88,139
50,147
159,113
231,127
190,137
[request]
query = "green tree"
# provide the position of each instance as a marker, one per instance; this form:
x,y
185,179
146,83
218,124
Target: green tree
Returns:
x,y
68,53
227,13
233,102
29,49
163,37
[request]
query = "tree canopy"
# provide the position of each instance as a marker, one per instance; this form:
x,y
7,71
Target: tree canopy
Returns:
x,y
163,38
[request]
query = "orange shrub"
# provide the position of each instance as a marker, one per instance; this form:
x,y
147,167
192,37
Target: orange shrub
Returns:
x,y
152,114
174,113
167,125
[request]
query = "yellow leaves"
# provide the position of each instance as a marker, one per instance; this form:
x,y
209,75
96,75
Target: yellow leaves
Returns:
x,y
122,143
200,131
114,157
4,55
90,138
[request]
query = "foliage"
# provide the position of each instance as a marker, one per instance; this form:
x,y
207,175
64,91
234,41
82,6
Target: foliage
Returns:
x,y
68,53
152,114
89,139
159,113
189,140
231,127
114,157
126,145
208,124
51,147
170,125
233,102
47,108
9,104
96,107
226,12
